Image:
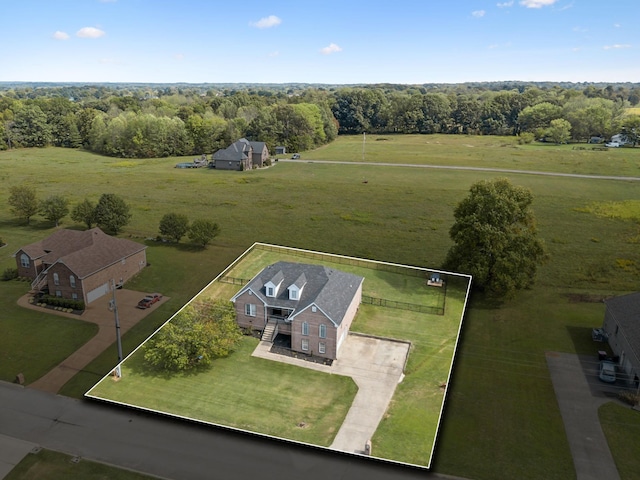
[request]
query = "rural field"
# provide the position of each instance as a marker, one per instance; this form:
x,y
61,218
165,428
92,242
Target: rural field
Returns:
x,y
501,418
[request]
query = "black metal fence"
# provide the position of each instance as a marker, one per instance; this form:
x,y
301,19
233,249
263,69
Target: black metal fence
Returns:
x,y
235,281
413,307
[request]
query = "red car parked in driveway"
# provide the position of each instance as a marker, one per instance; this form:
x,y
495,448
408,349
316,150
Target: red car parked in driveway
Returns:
x,y
149,300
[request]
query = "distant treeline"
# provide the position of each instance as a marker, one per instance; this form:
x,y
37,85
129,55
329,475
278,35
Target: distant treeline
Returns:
x,y
146,120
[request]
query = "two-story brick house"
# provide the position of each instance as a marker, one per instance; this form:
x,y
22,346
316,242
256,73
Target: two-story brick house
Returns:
x,y
313,304
80,265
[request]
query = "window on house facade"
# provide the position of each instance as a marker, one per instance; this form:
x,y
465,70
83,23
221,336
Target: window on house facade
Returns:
x,y
250,309
56,279
322,347
24,260
305,344
72,281
58,293
74,296
322,331
270,292
293,294
305,328
314,309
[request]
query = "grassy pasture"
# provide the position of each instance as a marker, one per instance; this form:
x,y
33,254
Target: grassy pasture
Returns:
x,y
500,405
480,151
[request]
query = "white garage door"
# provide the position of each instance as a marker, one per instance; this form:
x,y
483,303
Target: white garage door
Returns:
x,y
97,292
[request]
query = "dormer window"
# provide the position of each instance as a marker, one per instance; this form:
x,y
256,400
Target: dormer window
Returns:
x,y
271,292
294,293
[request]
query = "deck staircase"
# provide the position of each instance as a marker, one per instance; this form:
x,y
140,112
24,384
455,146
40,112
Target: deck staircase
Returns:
x,y
269,332
39,282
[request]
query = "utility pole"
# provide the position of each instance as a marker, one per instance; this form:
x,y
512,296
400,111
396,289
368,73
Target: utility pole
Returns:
x,y
113,306
364,141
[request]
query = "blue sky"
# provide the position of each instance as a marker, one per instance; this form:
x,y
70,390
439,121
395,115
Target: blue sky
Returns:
x,y
310,41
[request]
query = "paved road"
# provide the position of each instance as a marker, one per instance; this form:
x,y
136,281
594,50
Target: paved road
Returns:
x,y
170,448
580,394
474,169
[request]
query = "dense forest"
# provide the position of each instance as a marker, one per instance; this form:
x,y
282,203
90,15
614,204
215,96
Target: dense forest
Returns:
x,y
157,120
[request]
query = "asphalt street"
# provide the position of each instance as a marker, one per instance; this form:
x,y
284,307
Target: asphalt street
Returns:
x,y
170,448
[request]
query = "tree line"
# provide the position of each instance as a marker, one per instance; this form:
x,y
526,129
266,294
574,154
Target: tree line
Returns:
x,y
172,121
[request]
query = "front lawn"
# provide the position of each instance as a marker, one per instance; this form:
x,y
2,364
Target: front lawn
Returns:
x,y
243,392
621,426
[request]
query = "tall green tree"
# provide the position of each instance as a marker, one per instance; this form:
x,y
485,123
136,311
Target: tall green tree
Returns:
x,y
24,202
84,212
112,213
559,131
495,238
30,127
174,225
54,208
199,334
202,231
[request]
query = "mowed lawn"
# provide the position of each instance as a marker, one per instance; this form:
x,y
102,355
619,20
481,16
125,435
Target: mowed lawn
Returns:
x,y
243,392
276,398
501,416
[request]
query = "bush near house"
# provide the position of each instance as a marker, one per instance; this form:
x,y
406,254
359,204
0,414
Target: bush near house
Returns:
x,y
62,302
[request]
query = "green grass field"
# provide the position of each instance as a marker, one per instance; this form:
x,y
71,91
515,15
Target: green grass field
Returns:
x,y
276,397
501,416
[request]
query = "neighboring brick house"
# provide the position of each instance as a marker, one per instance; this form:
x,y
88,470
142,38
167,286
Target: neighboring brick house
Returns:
x,y
622,324
80,265
241,155
313,304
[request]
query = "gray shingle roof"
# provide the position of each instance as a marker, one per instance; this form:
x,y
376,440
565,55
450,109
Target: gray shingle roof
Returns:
x,y
626,310
331,290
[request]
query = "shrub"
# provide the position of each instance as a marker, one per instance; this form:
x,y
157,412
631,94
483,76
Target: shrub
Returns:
x,y
9,274
526,137
629,397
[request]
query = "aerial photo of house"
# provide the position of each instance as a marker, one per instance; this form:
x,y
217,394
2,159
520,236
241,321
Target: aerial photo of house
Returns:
x,y
79,265
312,304
623,334
241,155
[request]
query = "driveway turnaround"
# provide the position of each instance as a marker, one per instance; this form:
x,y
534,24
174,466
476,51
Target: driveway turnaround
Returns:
x,y
580,393
97,312
376,366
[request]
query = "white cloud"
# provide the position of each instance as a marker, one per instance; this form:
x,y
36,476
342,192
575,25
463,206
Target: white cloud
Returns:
x,y
478,13
274,54
179,56
617,25
617,46
90,32
537,3
580,29
331,48
505,4
61,35
267,22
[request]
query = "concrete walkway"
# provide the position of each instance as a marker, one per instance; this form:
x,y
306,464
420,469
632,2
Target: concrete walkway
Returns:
x,y
12,451
376,366
580,393
97,312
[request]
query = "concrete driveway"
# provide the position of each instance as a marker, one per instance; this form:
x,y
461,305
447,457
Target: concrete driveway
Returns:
x,y
376,366
97,312
580,393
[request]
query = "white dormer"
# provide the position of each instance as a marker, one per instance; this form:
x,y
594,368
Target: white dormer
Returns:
x,y
272,286
295,289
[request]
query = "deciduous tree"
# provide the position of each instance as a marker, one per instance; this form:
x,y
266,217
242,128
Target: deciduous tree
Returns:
x,y
54,208
112,213
203,231
84,212
174,225
495,238
23,201
559,131
200,333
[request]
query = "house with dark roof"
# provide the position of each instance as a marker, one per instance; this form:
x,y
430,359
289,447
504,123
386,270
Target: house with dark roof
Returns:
x,y
241,155
622,325
314,305
80,265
